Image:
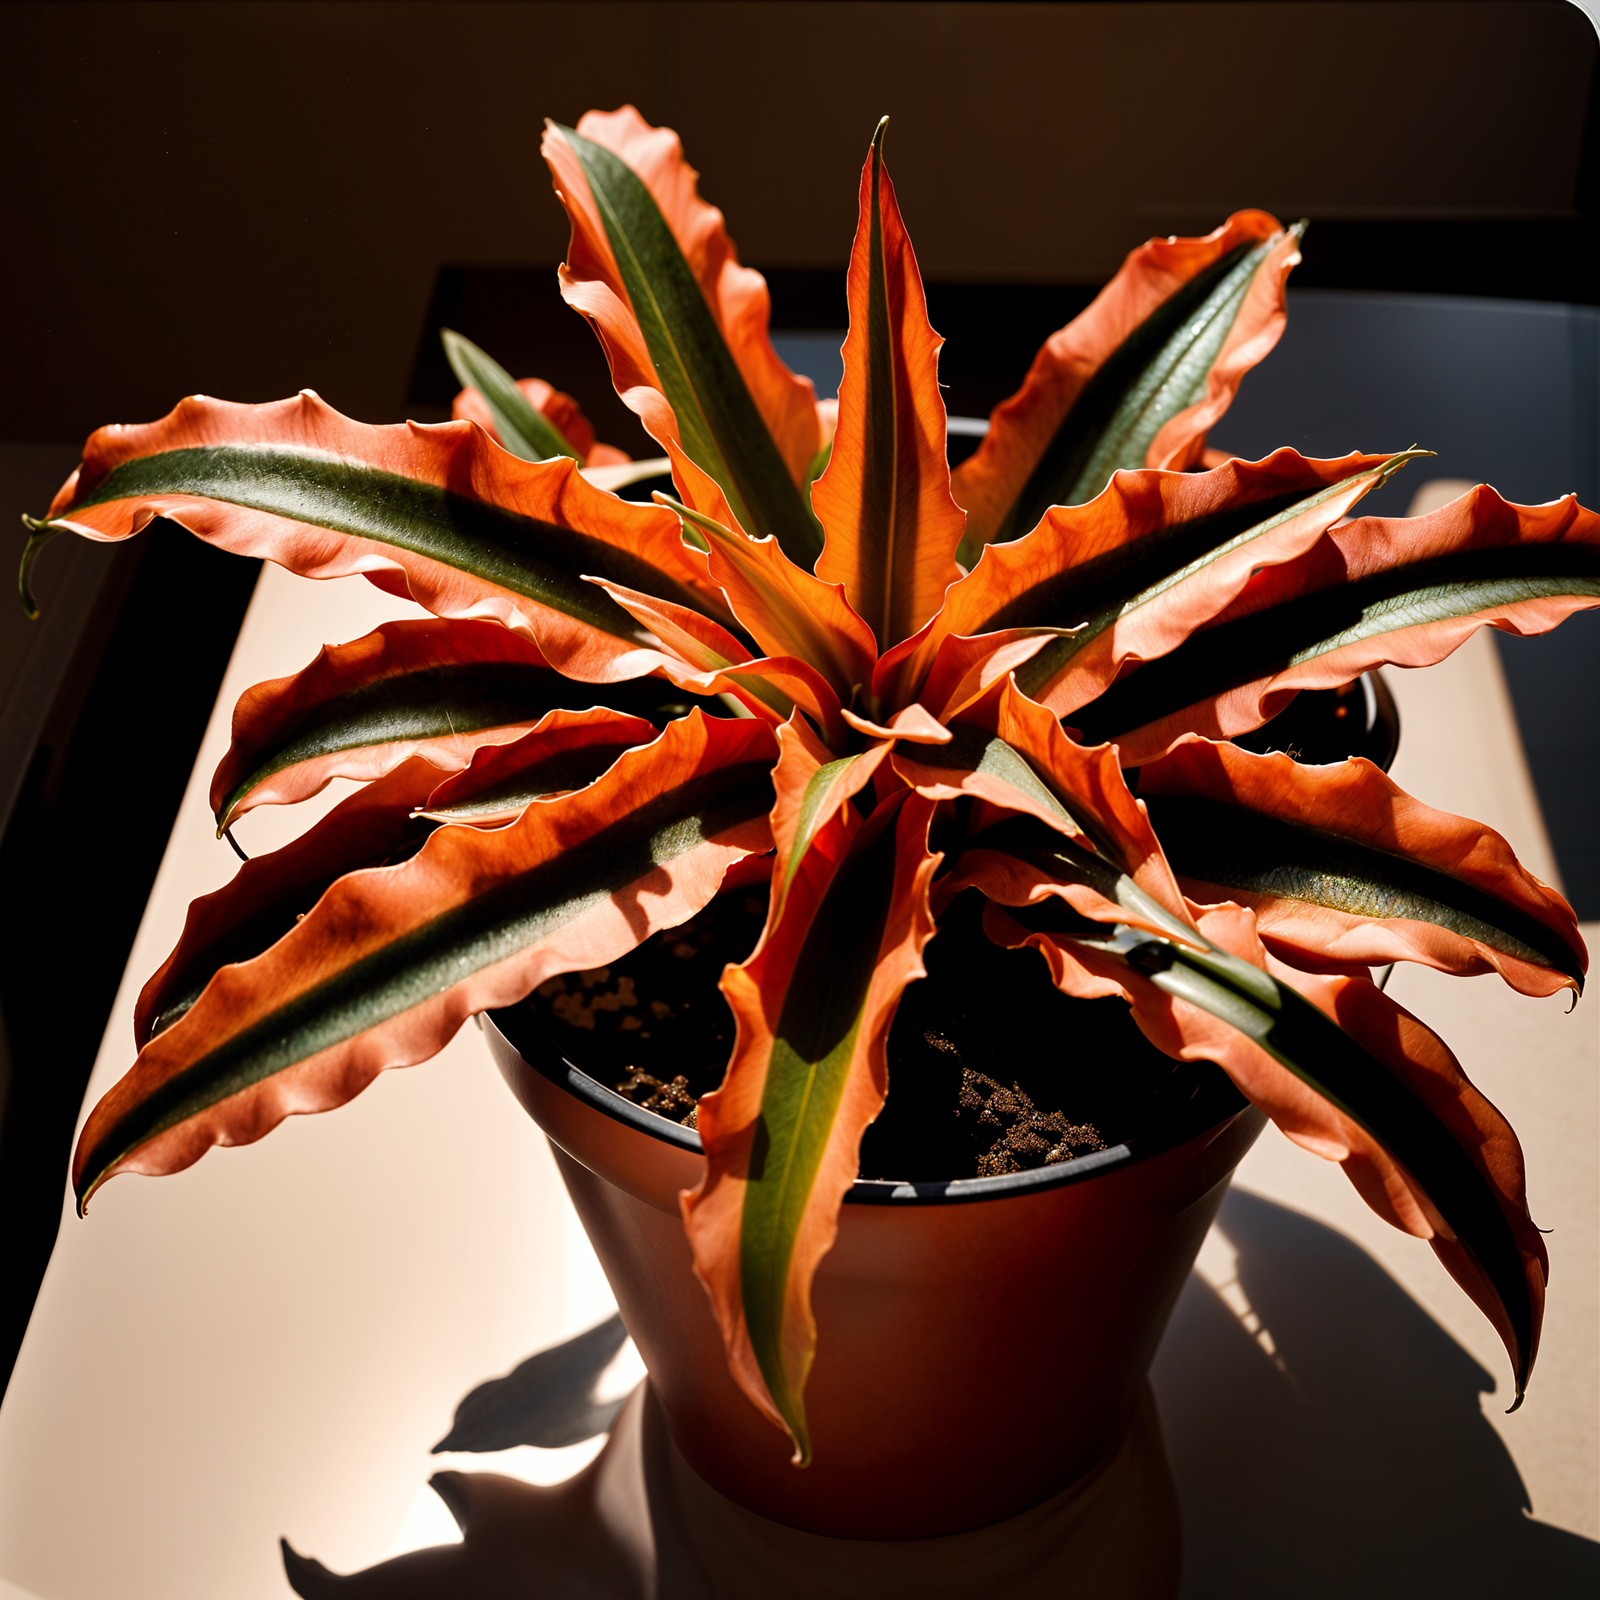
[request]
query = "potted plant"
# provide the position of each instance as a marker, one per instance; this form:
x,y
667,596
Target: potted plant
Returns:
x,y
828,665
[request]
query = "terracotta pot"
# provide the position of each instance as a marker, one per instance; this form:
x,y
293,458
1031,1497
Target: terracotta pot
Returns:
x,y
983,1343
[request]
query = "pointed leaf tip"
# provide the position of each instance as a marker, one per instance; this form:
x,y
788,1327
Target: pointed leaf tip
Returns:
x,y
891,525
523,429
685,326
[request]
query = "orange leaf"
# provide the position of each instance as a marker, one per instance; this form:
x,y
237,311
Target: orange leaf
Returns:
x,y
988,483
771,686
392,961
1411,1051
1379,590
787,610
281,768
737,295
1354,800
884,501
807,1076
811,785
261,901
1134,572
439,514
562,410
1074,790
566,751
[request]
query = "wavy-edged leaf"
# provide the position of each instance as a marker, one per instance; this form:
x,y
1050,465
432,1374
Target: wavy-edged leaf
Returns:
x,y
270,893
913,723
439,689
1131,575
799,423
391,962
438,513
652,267
519,420
782,1135
1345,1072
770,686
884,502
788,610
1011,754
1136,379
812,784
605,466
567,750
1345,870
1378,590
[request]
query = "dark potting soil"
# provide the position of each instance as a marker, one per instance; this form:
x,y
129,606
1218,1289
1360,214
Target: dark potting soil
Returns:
x,y
991,1068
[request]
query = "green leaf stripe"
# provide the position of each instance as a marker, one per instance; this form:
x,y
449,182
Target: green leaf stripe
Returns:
x,y
812,1051
1301,629
819,788
438,701
511,917
524,431
252,935
1320,1053
880,444
1090,858
1159,370
540,560
1241,849
567,769
718,422
1098,593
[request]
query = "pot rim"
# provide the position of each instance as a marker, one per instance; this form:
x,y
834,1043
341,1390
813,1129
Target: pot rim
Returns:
x,y
514,1026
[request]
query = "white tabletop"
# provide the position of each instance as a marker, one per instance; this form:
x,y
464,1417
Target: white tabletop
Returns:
x,y
269,1343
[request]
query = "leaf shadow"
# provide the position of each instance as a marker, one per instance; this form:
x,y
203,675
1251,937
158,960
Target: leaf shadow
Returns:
x,y
1352,1454
547,1401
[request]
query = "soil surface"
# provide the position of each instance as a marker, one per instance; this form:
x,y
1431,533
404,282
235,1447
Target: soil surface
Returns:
x,y
991,1068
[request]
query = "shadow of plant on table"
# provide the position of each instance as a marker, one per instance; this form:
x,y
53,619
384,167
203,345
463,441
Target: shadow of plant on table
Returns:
x,y
1361,1432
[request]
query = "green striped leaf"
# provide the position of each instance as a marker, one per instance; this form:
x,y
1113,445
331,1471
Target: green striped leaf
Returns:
x,y
1158,371
1106,588
267,918
815,1048
1088,857
389,963
1244,851
540,560
1337,1066
719,426
443,703
523,430
782,1135
567,769
1301,629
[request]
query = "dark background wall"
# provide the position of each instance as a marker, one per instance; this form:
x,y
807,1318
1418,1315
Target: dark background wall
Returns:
x,y
244,199
247,198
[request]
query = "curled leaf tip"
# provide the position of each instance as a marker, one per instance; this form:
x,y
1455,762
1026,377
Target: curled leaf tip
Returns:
x,y
40,533
1516,1405
227,833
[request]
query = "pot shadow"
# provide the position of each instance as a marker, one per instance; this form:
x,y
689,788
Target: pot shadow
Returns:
x,y
1341,1446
